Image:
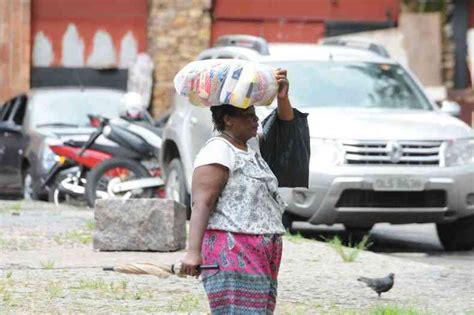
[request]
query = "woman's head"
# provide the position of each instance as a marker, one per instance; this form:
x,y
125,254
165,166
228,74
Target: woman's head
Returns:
x,y
242,123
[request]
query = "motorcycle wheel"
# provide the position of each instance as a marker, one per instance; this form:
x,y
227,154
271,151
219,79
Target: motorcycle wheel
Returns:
x,y
59,195
111,172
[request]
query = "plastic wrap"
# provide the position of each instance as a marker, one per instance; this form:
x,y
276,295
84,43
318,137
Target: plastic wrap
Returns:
x,y
227,81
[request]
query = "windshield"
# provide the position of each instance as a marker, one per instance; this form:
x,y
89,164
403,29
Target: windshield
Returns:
x,y
352,84
70,108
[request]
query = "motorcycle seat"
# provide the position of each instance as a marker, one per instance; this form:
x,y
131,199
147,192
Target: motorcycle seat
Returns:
x,y
115,151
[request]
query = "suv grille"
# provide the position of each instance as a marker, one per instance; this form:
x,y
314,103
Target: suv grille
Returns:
x,y
358,198
392,152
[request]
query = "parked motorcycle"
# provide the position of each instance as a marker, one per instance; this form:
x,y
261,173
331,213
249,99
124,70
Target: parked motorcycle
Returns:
x,y
68,178
122,176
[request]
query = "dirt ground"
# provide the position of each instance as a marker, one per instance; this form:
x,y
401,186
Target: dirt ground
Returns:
x,y
47,265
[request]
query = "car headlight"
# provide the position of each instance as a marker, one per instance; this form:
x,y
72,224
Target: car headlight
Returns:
x,y
457,152
326,152
49,158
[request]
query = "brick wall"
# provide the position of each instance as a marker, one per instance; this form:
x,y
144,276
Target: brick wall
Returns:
x,y
178,30
14,47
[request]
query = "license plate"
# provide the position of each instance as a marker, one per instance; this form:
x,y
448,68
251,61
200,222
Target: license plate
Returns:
x,y
399,183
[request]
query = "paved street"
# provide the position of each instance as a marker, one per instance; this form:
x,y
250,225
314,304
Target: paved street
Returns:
x,y
418,242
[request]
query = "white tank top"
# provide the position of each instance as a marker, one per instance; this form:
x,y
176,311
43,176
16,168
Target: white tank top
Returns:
x,y
250,202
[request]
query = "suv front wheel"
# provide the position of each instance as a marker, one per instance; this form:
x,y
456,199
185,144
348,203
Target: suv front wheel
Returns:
x,y
175,185
458,235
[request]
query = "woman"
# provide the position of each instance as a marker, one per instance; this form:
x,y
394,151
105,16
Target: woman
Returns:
x,y
236,213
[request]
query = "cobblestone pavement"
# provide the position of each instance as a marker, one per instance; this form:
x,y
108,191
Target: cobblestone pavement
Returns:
x,y
47,265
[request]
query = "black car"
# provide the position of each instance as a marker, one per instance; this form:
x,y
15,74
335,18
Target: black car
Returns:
x,y
30,122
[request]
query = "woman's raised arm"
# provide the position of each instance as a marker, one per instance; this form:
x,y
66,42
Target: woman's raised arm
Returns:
x,y
285,110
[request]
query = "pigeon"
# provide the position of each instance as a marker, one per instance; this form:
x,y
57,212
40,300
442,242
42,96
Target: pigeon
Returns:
x,y
379,285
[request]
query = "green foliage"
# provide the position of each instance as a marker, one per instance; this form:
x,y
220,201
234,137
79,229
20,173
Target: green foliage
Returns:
x,y
83,235
350,252
7,296
16,207
188,303
95,284
294,238
90,225
54,289
48,264
394,310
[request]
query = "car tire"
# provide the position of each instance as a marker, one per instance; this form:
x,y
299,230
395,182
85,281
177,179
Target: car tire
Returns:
x,y
175,185
457,235
288,219
29,192
355,234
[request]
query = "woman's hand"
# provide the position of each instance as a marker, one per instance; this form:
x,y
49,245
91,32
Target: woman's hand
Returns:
x,y
190,263
285,111
283,83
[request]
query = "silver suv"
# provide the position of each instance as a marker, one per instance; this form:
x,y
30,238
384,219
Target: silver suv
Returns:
x,y
381,151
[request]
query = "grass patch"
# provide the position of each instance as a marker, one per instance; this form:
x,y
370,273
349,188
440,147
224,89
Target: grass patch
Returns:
x,y
394,310
3,242
48,264
94,284
124,284
90,225
54,289
294,238
83,235
117,290
16,207
14,244
9,274
300,309
6,296
142,295
333,309
187,303
350,252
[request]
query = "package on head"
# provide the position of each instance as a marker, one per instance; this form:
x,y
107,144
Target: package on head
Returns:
x,y
236,82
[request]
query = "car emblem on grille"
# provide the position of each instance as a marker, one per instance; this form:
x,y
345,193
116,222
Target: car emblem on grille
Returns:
x,y
394,151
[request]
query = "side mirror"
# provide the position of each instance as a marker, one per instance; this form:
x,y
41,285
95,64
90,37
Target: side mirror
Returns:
x,y
10,128
451,108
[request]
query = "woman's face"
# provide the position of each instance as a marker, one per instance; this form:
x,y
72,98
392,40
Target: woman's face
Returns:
x,y
244,123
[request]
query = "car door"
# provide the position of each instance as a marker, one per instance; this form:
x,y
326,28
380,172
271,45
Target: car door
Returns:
x,y
5,113
12,146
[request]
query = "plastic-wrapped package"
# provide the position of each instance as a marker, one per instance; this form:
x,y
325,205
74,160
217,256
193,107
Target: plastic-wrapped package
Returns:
x,y
237,82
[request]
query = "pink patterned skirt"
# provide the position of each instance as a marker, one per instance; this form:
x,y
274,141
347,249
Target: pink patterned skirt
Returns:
x,y
247,280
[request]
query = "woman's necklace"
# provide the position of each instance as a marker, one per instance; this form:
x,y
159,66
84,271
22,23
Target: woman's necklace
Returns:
x,y
237,141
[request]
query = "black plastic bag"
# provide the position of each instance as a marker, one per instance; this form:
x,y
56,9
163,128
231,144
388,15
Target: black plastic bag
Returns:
x,y
285,146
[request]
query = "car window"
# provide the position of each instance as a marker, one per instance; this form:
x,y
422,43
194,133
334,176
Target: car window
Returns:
x,y
6,110
19,110
71,107
3,109
353,84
